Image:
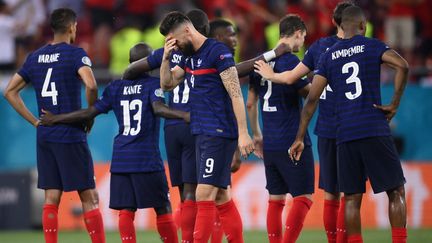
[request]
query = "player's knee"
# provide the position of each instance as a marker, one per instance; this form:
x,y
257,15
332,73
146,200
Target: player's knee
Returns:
x,y
206,192
396,194
89,198
222,196
163,210
53,197
189,191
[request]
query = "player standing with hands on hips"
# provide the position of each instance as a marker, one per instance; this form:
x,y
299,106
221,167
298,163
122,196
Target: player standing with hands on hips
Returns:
x,y
365,148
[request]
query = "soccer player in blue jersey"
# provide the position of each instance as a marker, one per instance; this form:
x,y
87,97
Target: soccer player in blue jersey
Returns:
x,y
64,161
137,172
218,119
281,106
365,148
325,128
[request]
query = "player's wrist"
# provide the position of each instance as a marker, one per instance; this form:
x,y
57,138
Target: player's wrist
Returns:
x,y
269,55
36,123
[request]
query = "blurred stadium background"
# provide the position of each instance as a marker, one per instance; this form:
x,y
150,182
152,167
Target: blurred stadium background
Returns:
x,y
108,28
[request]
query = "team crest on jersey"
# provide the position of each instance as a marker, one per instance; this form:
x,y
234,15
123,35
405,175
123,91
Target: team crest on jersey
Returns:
x,y
159,93
86,61
227,55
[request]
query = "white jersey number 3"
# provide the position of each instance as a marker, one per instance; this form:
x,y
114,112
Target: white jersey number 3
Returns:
x,y
353,79
49,93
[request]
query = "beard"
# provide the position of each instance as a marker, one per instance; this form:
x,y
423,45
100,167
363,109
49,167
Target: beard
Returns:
x,y
187,49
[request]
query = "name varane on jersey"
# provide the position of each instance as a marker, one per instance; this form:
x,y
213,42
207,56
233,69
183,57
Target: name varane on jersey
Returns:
x,y
352,68
136,146
280,106
53,72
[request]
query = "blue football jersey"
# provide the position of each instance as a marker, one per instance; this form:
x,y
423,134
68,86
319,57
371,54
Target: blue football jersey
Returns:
x,y
136,147
326,122
53,72
353,68
179,97
280,105
211,107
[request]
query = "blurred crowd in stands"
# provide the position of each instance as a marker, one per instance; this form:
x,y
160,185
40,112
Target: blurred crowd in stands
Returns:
x,y
108,28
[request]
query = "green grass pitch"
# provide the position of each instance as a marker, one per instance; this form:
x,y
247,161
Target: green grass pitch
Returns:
x,y
307,236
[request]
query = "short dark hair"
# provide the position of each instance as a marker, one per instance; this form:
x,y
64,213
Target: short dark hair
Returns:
x,y
199,20
61,19
337,12
171,21
352,15
139,51
216,24
290,24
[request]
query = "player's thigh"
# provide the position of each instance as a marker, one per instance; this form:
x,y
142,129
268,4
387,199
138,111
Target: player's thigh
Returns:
x,y
327,152
76,166
151,189
188,156
122,193
275,183
48,171
174,149
214,156
382,164
351,170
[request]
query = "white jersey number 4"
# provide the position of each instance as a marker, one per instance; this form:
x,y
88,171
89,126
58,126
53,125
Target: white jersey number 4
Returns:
x,y
49,93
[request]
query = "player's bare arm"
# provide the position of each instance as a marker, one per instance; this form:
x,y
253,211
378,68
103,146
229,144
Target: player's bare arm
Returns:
x,y
252,108
232,85
287,77
170,78
162,110
395,61
304,92
49,119
245,67
89,81
318,85
12,95
135,69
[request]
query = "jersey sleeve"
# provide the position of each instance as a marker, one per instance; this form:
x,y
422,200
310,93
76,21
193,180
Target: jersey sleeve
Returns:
x,y
81,59
155,58
156,93
321,68
24,72
104,103
177,59
380,48
223,58
309,58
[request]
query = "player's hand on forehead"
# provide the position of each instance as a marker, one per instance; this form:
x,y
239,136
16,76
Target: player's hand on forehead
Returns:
x,y
170,45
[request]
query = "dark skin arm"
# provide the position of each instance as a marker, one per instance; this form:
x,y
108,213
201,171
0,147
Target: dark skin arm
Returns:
x,y
304,91
318,85
135,69
162,110
49,119
245,67
395,61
